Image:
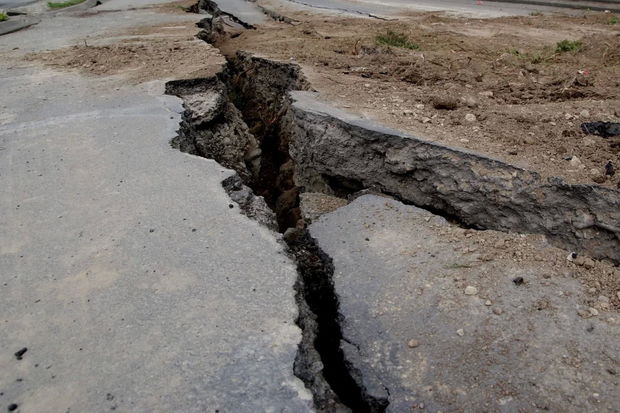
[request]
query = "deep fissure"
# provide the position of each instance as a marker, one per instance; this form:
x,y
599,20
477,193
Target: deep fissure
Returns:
x,y
244,118
239,119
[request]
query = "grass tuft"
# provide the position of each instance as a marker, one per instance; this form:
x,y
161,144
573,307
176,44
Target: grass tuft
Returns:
x,y
568,46
396,39
3,16
613,20
62,5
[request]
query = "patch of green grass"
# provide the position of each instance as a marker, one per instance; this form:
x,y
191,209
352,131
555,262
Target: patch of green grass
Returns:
x,y
568,46
63,4
3,16
537,58
396,39
613,20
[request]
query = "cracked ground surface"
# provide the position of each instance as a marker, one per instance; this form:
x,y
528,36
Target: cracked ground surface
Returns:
x,y
135,284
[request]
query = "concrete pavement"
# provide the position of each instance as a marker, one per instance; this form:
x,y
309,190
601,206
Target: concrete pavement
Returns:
x,y
125,270
434,317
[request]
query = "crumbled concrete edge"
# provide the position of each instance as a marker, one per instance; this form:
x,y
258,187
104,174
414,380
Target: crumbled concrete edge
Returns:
x,y
15,24
329,146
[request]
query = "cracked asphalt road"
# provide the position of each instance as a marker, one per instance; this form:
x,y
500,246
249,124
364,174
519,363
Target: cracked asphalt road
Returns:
x,y
125,270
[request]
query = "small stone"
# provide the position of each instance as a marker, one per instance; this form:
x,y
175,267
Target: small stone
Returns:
x,y
588,141
584,113
471,290
293,234
588,263
583,313
609,169
407,112
20,353
488,303
469,101
470,117
445,102
575,162
413,343
419,106
580,260
486,93
603,299
460,332
366,84
593,311
426,120
571,257
497,311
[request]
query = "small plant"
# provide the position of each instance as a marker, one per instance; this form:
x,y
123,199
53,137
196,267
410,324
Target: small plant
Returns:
x,y
568,46
514,52
397,40
63,4
613,20
537,58
3,16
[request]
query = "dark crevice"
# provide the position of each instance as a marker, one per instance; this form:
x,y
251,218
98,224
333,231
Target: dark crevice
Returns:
x,y
349,188
316,296
239,118
258,88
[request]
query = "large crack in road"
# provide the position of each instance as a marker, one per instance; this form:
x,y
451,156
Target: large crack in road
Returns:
x,y
238,118
254,117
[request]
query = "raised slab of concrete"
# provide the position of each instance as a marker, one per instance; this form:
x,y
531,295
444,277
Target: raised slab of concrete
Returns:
x,y
243,10
17,23
333,148
440,318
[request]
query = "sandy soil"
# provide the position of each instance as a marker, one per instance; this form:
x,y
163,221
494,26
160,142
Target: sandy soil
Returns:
x,y
499,250
528,100
141,54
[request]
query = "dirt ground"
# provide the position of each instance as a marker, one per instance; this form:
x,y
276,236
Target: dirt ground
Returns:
x,y
527,100
141,54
